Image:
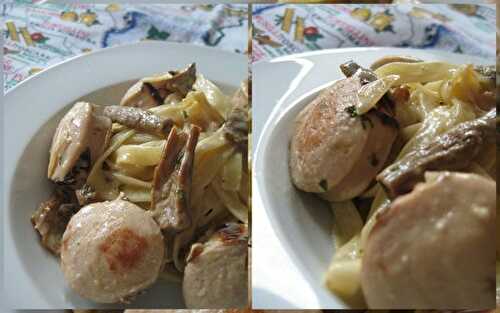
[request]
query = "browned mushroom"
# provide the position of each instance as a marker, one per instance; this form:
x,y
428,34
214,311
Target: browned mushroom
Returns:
x,y
139,119
172,181
434,247
52,217
152,91
216,274
334,150
453,150
111,251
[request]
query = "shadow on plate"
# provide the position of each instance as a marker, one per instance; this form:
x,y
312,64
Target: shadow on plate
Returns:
x,y
270,299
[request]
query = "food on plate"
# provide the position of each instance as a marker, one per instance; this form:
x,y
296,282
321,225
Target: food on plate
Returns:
x,y
172,181
138,119
328,144
455,149
154,188
217,270
152,91
80,138
52,217
453,217
405,152
111,250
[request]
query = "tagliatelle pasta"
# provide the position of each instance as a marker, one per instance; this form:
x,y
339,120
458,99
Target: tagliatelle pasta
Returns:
x,y
219,170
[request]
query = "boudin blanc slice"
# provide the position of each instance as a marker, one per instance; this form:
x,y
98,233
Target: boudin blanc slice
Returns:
x,y
111,251
433,247
216,275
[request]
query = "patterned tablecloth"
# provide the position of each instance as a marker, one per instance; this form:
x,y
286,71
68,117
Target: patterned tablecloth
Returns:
x,y
39,35
287,29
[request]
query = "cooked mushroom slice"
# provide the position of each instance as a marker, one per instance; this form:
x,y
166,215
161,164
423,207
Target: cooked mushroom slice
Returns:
x,y
141,95
85,195
237,124
391,59
152,91
52,217
453,150
80,138
172,181
433,247
351,68
216,275
111,251
330,139
139,119
180,81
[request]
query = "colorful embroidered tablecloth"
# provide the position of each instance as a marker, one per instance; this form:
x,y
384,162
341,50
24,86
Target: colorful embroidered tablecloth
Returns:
x,y
39,35
286,29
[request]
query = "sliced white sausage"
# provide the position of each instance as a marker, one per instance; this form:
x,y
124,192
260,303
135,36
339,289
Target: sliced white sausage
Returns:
x,y
330,141
216,275
327,141
111,250
434,247
375,152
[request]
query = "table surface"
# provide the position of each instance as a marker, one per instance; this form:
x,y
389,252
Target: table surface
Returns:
x,y
40,35
287,29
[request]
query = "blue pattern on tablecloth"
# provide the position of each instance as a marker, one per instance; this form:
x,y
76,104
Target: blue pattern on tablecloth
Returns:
x,y
468,29
52,32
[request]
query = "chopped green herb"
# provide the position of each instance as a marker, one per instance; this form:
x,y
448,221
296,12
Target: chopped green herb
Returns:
x,y
323,184
373,160
351,110
184,113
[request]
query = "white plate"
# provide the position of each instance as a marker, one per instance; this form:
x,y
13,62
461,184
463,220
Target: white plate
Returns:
x,y
32,109
284,219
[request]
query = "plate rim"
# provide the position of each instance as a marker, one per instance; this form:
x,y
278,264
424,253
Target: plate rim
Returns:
x,y
313,53
106,50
